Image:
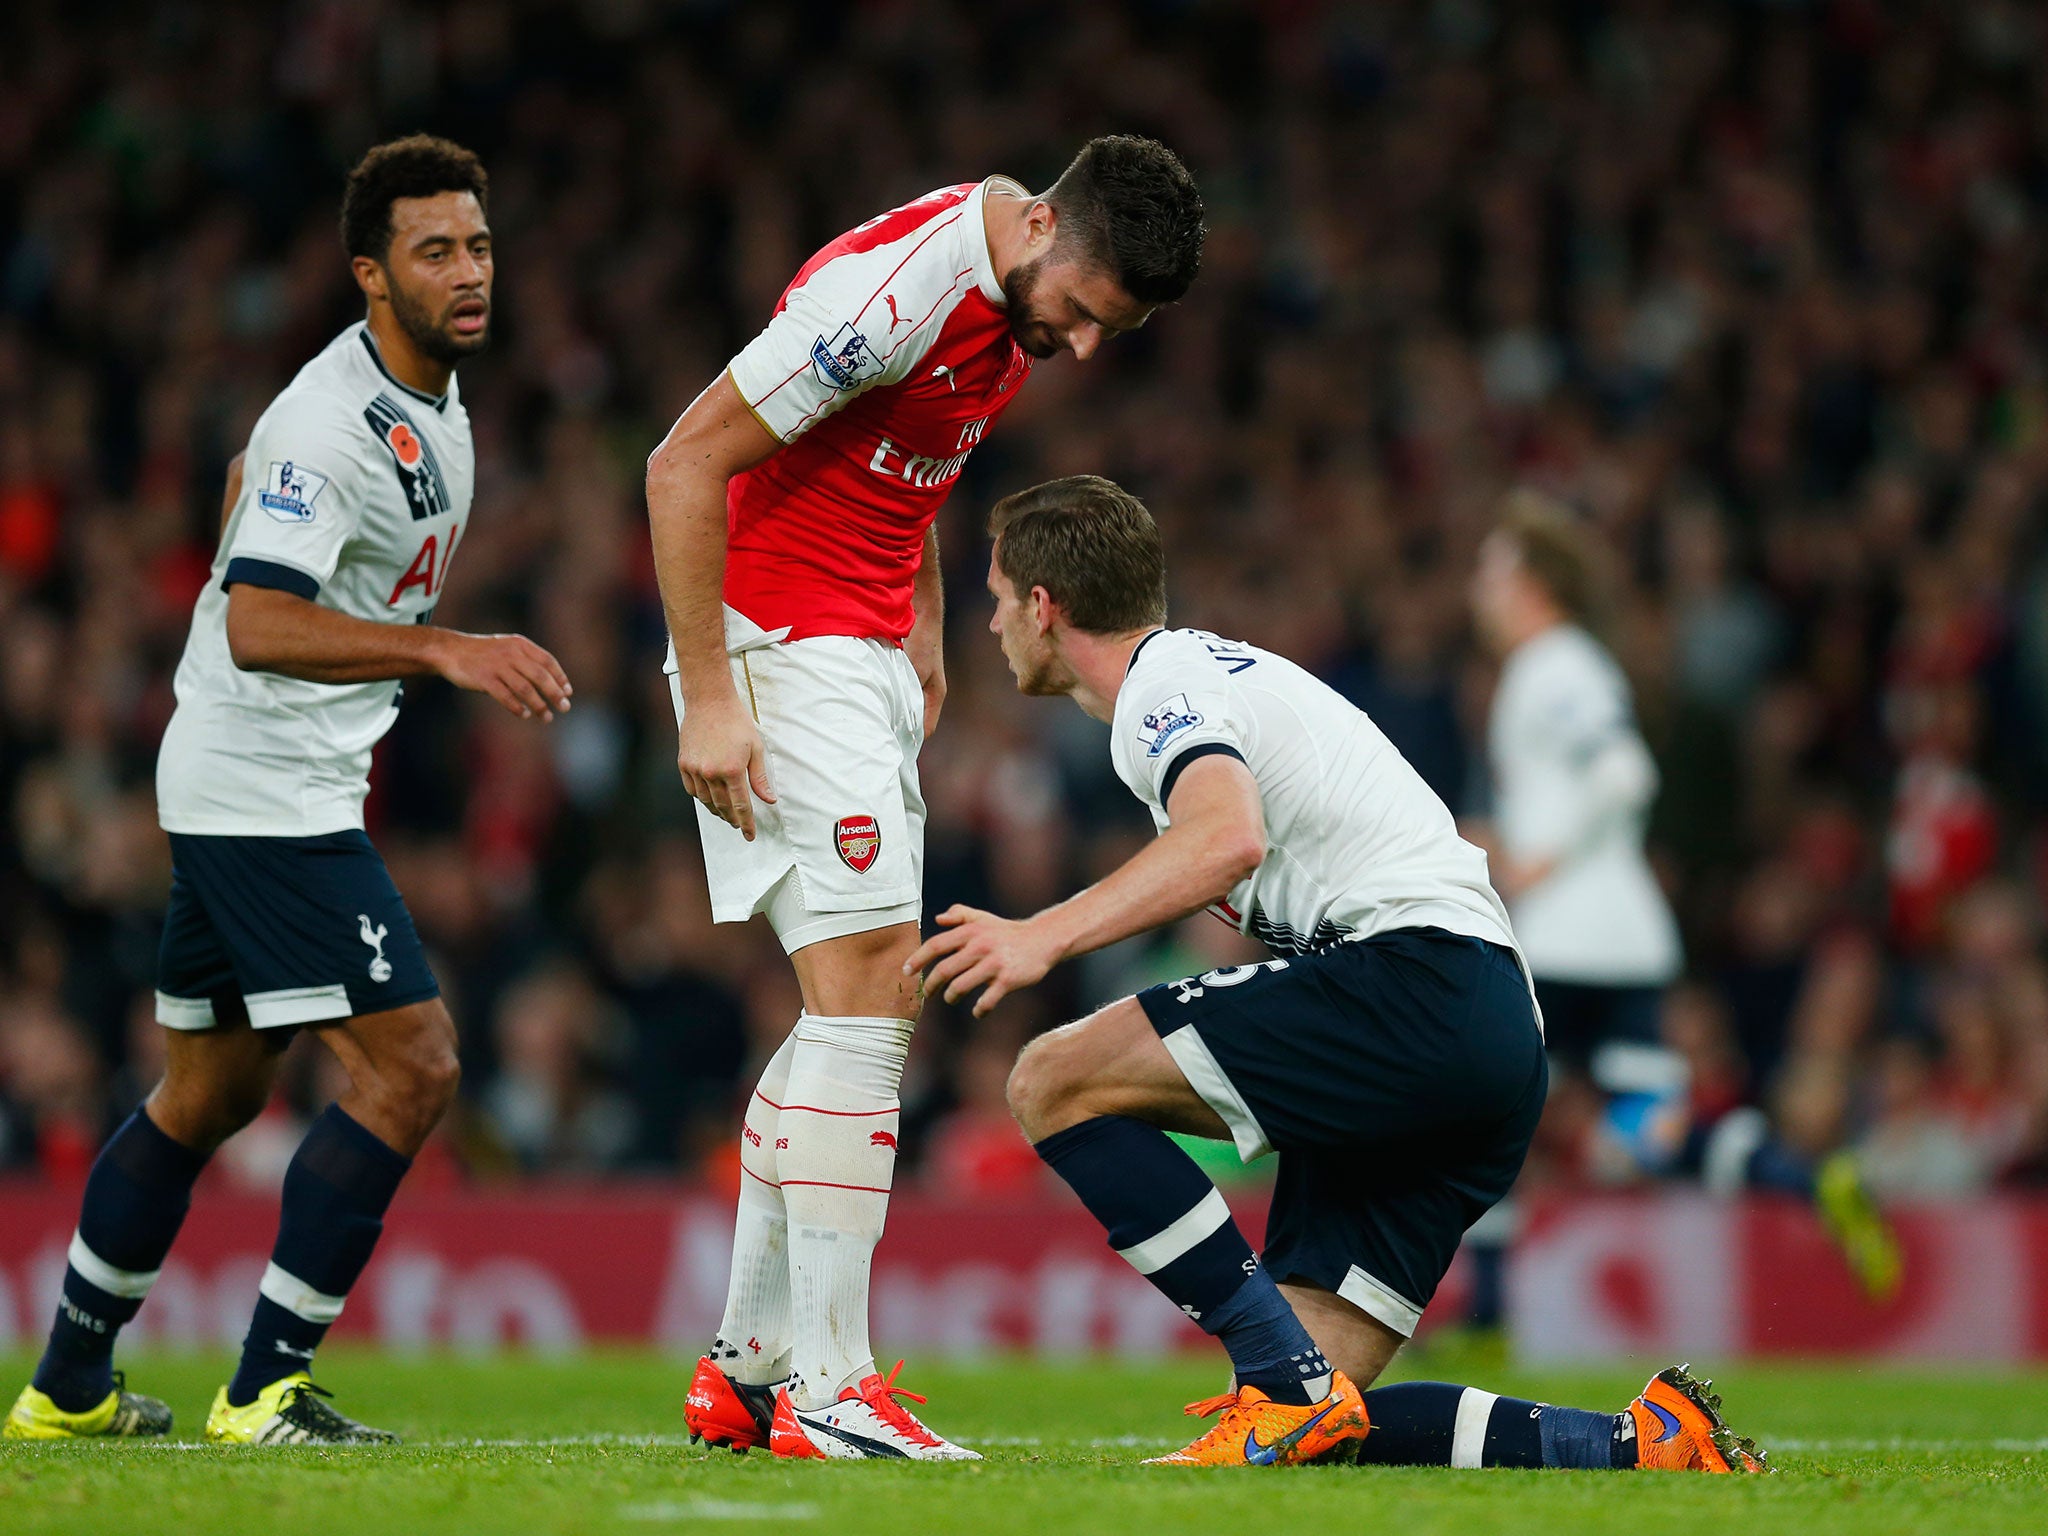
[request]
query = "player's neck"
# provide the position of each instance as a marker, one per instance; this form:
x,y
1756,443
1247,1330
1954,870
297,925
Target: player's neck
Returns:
x,y
1099,664
1536,623
1004,217
402,360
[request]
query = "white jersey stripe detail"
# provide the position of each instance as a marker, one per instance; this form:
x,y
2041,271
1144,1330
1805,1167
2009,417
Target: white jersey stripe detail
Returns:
x,y
96,1271
1468,1435
1199,1067
1390,1307
297,1005
184,1012
299,1298
1162,1248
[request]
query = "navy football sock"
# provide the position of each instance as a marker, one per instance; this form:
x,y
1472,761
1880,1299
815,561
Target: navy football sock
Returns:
x,y
1164,1216
1433,1424
135,1200
336,1191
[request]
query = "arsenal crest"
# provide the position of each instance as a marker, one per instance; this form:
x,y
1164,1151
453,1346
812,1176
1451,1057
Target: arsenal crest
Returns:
x,y
859,839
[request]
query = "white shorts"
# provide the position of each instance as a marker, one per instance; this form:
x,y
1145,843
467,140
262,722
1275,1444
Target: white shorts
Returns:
x,y
842,849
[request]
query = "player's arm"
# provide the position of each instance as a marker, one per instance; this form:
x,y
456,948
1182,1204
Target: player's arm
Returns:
x,y
273,630
1609,777
1217,839
718,749
926,644
234,494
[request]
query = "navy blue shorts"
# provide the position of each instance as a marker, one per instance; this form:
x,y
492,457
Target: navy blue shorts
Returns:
x,y
303,930
1399,1077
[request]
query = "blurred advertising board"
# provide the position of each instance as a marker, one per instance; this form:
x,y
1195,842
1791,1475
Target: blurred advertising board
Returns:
x,y
552,1267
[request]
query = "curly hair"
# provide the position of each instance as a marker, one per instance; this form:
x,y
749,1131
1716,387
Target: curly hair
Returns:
x,y
418,166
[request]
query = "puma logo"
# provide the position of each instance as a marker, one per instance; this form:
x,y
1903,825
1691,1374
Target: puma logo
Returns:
x,y
894,318
952,383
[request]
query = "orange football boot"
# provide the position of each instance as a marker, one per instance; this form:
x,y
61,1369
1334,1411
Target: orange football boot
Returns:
x,y
1679,1428
721,1411
1255,1431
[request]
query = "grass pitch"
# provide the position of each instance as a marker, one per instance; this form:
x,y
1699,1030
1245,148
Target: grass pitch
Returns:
x,y
531,1447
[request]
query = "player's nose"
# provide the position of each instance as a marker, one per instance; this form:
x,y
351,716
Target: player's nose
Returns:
x,y
1083,339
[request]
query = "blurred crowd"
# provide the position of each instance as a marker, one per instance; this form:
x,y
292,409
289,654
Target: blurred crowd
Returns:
x,y
1757,287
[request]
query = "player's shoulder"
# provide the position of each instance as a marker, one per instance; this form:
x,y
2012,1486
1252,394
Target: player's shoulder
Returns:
x,y
916,249
323,404
1562,657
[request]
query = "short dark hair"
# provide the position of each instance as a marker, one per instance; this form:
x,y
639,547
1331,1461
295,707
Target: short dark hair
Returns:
x,y
1135,211
1563,552
1093,547
418,166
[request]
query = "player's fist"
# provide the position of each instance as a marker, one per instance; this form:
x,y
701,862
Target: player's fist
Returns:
x,y
520,675
720,758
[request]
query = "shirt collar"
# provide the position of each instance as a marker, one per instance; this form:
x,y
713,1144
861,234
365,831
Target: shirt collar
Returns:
x,y
1154,635
438,402
977,237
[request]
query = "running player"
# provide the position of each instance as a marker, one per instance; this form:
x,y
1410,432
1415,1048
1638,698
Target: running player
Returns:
x,y
343,514
1392,1055
792,509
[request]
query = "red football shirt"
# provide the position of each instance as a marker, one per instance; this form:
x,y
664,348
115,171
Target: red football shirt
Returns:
x,y
886,361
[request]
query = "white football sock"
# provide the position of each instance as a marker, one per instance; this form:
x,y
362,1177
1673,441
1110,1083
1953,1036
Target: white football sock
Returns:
x,y
753,1340
838,1127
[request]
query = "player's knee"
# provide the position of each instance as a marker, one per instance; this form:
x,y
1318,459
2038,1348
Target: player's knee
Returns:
x,y
203,1109
417,1075
1041,1088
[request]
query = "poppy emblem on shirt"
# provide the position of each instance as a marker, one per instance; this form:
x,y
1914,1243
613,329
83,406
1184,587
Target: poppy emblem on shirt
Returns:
x,y
405,445
859,839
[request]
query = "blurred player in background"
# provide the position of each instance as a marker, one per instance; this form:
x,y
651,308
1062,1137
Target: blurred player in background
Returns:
x,y
1392,1056
1573,785
342,516
792,509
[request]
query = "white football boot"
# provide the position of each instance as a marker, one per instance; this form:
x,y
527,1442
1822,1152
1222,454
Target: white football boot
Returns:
x,y
867,1421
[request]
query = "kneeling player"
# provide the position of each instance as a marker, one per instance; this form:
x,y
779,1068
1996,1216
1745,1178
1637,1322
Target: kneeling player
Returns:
x,y
1393,1056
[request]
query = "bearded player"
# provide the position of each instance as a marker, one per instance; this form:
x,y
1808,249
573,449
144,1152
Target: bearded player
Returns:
x,y
343,514
792,509
1392,1054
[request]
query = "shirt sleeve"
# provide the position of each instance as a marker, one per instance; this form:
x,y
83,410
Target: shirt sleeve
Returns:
x,y
1185,713
301,497
829,344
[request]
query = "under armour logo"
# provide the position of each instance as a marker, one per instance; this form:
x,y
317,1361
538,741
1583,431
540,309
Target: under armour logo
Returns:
x,y
894,318
380,968
952,383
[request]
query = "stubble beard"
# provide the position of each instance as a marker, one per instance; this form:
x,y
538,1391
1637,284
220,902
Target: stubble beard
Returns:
x,y
430,333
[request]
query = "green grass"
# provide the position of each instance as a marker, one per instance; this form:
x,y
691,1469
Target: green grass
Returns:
x,y
532,1447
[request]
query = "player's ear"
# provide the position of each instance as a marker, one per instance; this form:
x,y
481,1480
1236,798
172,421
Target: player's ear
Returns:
x,y
1041,226
369,275
1044,611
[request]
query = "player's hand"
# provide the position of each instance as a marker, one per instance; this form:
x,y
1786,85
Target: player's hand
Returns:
x,y
510,668
979,949
720,758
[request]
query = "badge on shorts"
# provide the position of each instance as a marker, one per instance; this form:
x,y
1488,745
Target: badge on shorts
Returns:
x,y
859,839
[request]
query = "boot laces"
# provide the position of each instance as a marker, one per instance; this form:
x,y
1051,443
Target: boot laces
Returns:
x,y
882,1398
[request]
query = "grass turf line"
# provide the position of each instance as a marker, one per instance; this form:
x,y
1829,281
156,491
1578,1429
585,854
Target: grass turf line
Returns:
x,y
533,1447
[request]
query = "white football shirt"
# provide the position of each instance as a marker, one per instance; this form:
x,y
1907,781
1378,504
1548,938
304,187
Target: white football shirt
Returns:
x,y
1356,842
355,490
1573,787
